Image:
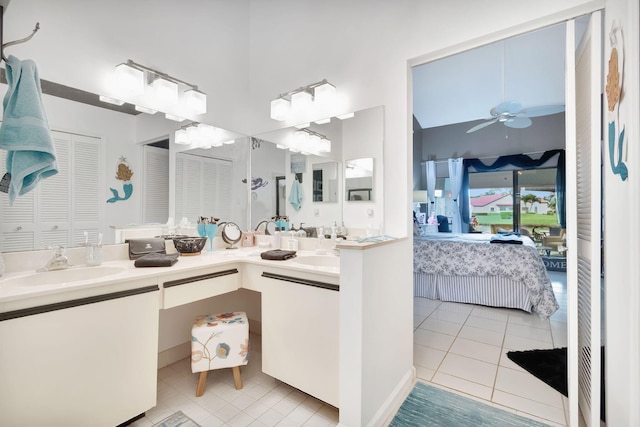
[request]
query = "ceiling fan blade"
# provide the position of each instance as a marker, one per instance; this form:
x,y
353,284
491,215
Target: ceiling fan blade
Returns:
x,y
482,125
518,122
507,107
543,110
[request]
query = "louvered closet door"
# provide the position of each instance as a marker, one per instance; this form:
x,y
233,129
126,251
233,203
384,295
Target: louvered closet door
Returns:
x,y
53,207
87,180
584,156
17,221
155,207
203,187
61,207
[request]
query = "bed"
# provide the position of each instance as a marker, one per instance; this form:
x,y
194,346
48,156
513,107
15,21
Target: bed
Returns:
x,y
469,268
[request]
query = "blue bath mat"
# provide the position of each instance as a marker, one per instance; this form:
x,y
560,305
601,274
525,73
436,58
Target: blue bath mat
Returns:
x,y
431,406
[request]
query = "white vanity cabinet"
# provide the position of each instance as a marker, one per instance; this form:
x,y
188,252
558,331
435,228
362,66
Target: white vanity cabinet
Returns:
x,y
88,361
183,290
300,330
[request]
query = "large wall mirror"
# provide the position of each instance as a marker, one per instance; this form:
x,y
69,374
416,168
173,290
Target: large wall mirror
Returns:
x,y
89,194
320,177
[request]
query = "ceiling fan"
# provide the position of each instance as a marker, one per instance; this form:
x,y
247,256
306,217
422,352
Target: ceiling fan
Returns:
x,y
512,115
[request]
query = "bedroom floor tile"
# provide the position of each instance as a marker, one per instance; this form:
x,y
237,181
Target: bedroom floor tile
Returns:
x,y
454,316
433,339
470,369
476,350
486,323
470,357
442,326
537,334
521,383
427,357
462,385
481,335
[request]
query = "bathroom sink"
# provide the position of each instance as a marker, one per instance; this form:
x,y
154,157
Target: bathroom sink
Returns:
x,y
318,261
61,276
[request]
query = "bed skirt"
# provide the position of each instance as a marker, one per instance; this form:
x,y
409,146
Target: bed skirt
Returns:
x,y
493,291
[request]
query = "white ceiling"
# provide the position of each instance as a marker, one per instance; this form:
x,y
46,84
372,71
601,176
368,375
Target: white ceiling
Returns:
x,y
528,69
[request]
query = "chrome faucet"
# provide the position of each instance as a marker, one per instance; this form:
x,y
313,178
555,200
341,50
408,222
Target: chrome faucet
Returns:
x,y
58,261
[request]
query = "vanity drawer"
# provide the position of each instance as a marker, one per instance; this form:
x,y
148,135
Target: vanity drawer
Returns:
x,y
189,289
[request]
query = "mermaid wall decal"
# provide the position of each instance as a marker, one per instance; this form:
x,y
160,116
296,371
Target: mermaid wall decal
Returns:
x,y
614,91
123,173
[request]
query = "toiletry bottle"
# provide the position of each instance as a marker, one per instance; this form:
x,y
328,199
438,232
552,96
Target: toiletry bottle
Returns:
x,y
276,240
293,242
320,250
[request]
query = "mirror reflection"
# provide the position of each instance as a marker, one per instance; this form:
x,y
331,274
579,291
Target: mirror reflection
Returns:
x,y
89,194
325,182
358,175
293,184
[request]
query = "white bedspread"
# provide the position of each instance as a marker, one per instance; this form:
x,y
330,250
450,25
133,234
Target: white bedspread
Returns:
x,y
450,254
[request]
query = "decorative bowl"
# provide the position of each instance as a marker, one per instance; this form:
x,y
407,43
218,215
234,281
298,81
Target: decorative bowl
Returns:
x,y
189,245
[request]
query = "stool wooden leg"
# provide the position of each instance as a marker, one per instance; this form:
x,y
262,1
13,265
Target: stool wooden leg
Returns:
x,y
236,377
202,380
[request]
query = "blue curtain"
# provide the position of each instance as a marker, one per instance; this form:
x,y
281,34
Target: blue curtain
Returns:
x,y
521,161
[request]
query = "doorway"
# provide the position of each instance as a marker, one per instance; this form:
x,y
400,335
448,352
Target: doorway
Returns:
x,y
508,138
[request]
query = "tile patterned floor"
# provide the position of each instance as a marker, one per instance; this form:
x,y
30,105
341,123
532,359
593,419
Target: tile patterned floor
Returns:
x,y
263,400
463,348
460,347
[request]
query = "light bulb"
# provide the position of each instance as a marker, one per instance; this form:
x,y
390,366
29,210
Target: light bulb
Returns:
x,y
280,109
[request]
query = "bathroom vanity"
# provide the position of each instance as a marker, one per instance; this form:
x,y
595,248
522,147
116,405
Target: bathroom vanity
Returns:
x,y
83,344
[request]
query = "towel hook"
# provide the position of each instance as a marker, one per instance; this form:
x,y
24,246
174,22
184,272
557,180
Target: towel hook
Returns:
x,y
26,39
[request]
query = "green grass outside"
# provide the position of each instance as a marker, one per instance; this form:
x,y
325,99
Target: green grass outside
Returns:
x,y
525,219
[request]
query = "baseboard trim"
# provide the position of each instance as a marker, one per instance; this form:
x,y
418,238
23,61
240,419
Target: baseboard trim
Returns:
x,y
388,409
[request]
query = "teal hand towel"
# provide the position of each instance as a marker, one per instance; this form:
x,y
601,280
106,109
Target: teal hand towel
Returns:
x,y
24,132
295,196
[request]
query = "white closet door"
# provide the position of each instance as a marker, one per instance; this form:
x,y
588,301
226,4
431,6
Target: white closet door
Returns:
x,y
87,182
17,221
584,156
155,193
61,207
204,187
54,202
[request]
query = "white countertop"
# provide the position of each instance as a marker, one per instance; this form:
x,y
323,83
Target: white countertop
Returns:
x,y
25,295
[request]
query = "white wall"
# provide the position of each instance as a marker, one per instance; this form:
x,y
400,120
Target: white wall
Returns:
x,y
621,207
201,42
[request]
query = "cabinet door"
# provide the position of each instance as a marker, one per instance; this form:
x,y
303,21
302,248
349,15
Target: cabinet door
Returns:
x,y
91,364
300,337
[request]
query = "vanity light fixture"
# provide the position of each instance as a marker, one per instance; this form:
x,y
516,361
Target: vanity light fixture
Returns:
x,y
129,79
174,118
145,109
318,96
345,116
157,91
309,141
110,100
200,135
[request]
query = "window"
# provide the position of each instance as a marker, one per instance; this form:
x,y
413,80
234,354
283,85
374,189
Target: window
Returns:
x,y
532,210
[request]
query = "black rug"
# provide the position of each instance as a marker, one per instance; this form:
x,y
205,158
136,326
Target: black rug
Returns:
x,y
550,366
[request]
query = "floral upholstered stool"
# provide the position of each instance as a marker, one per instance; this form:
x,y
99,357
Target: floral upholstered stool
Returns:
x,y
219,341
